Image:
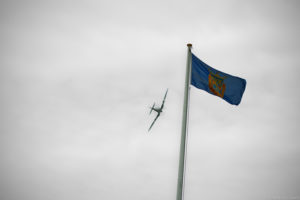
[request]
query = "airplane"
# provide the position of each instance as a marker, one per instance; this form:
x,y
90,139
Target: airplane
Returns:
x,y
157,109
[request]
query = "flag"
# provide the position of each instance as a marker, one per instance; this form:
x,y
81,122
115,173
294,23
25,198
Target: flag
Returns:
x,y
228,87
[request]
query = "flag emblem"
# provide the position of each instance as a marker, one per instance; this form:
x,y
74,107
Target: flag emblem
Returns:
x,y
216,84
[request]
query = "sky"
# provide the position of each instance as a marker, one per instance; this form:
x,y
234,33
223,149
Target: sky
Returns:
x,y
77,79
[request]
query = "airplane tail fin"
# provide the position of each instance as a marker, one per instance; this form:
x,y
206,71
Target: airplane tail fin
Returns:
x,y
151,108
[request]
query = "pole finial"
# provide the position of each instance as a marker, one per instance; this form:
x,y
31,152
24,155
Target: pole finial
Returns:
x,y
189,45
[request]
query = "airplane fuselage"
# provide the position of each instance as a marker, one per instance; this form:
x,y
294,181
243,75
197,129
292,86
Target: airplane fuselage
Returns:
x,y
158,110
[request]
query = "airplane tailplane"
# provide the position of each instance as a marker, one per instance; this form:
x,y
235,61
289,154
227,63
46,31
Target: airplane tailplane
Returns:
x,y
151,108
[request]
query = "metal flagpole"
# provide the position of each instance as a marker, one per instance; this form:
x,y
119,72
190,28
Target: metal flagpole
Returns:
x,y
181,168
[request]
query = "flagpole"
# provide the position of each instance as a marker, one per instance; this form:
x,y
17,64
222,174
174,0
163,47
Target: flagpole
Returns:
x,y
181,168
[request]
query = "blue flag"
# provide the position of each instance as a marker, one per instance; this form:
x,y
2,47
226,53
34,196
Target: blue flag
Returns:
x,y
230,88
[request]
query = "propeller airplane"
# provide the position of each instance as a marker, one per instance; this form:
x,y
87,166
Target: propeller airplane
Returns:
x,y
157,109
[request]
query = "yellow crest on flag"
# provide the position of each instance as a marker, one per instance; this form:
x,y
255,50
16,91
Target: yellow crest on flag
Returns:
x,y
216,84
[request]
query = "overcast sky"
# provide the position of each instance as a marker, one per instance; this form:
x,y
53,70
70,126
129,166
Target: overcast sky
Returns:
x,y
77,78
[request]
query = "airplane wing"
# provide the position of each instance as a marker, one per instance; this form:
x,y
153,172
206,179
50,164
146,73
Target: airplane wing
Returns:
x,y
154,121
162,105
